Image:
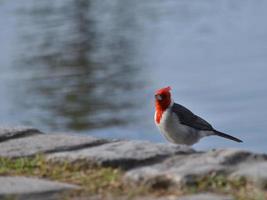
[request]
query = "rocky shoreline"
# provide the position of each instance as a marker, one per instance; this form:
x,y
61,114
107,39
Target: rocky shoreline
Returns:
x,y
152,165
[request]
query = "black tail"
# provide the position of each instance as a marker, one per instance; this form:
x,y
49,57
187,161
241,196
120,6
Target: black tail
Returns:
x,y
227,136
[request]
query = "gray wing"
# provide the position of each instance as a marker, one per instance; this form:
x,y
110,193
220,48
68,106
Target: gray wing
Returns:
x,y
188,118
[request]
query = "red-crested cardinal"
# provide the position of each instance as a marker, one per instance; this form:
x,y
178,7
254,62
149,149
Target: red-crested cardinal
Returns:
x,y
178,124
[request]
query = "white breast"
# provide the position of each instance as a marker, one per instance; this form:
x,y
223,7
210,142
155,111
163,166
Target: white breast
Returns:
x,y
174,131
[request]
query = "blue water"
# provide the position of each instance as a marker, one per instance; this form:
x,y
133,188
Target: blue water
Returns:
x,y
93,66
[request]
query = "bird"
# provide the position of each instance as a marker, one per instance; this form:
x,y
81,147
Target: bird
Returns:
x,y
178,124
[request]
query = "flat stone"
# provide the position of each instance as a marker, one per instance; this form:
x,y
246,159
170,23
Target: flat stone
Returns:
x,y
187,169
254,172
205,196
7,133
123,154
25,185
46,143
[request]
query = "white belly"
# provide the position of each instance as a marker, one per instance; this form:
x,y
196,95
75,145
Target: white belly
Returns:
x,y
175,132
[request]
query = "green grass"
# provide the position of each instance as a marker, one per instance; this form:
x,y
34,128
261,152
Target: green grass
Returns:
x,y
240,188
92,179
95,180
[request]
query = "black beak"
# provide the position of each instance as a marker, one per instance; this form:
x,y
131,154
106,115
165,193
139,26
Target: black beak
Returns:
x,y
158,97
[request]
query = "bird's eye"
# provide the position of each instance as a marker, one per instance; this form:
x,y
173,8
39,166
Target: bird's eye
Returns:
x,y
158,97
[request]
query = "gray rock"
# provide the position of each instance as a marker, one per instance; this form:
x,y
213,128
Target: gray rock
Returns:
x,y
7,133
42,196
254,172
187,169
39,196
46,143
24,185
206,196
123,154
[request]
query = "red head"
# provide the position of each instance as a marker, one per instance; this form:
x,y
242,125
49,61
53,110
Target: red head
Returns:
x,y
162,101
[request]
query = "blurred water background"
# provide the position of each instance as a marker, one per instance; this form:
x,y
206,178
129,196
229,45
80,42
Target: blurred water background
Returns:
x,y
92,66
